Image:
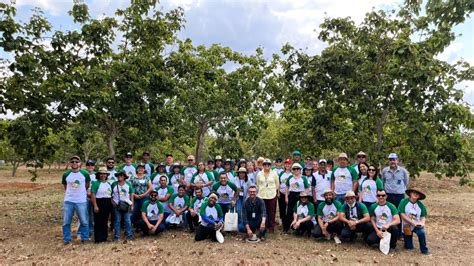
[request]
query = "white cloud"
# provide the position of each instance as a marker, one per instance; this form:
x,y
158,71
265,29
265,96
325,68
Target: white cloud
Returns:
x,y
53,7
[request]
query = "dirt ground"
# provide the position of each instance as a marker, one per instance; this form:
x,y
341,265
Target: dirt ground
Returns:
x,y
30,222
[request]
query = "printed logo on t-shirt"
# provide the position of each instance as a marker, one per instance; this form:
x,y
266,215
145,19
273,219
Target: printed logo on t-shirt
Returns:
x,y
341,177
75,184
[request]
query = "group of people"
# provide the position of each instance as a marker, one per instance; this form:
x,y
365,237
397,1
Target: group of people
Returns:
x,y
314,198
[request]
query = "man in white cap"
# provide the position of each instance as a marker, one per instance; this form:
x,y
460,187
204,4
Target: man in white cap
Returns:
x,y
361,158
395,179
343,178
320,182
129,167
355,218
268,185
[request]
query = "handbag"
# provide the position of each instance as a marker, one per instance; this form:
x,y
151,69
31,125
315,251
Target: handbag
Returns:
x,y
231,220
122,206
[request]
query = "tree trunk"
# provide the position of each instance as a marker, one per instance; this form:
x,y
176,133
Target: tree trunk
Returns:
x,y
202,130
49,168
110,142
15,165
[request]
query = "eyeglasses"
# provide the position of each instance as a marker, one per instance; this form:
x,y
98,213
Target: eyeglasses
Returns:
x,y
296,169
153,196
74,161
110,162
371,170
381,195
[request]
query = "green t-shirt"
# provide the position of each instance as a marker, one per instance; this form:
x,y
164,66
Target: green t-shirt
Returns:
x,y
196,203
413,211
328,212
353,211
75,183
383,214
297,184
101,189
225,193
304,210
131,169
179,202
152,211
343,179
202,178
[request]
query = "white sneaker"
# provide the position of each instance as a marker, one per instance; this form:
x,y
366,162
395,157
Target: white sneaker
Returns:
x,y
337,240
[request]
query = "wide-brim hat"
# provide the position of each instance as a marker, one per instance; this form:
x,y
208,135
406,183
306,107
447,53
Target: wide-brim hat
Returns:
x,y
361,153
253,239
242,170
122,172
343,155
102,170
349,194
303,194
422,195
328,191
296,165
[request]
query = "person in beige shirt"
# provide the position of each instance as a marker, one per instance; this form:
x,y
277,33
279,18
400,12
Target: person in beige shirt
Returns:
x,y
268,184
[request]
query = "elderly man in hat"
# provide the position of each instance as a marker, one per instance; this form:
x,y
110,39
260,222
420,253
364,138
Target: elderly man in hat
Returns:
x,y
76,182
253,215
355,218
384,217
212,219
343,178
129,167
328,221
303,216
268,185
361,158
152,222
413,213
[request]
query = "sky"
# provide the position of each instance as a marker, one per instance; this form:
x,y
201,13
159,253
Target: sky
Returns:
x,y
245,25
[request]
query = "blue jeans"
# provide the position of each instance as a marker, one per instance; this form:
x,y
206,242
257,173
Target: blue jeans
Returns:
x,y
137,210
420,232
68,212
254,225
395,200
127,222
340,198
90,213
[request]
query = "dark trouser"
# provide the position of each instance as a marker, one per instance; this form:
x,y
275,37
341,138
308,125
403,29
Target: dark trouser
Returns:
x,y
317,204
282,207
340,198
101,219
292,200
333,228
192,221
364,228
142,225
270,205
420,232
254,225
374,239
395,200
137,211
368,204
225,208
204,232
305,228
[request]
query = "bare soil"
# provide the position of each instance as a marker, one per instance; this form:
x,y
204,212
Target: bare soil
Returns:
x,y
31,217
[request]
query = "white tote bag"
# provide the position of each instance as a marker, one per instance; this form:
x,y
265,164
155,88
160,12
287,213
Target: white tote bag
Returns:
x,y
385,242
231,220
173,219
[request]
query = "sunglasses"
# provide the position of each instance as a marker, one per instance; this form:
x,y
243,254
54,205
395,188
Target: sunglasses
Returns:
x,y
360,156
296,169
381,195
372,170
392,159
90,165
153,196
110,162
74,161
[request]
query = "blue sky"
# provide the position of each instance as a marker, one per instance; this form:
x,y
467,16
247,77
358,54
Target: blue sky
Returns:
x,y
245,25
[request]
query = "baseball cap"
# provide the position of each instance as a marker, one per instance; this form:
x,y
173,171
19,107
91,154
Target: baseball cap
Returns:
x,y
393,156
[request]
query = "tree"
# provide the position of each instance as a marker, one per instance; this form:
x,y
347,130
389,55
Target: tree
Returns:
x,y
220,90
378,89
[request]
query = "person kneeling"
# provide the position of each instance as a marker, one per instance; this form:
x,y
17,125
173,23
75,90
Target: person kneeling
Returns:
x,y
303,216
384,217
212,218
328,221
152,216
254,215
355,218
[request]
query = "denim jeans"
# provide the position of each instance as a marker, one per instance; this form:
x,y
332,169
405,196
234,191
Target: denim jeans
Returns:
x,y
68,212
238,208
420,232
126,216
90,213
340,198
137,210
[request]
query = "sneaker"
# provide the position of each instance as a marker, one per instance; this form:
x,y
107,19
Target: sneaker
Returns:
x,y
262,238
67,243
328,238
337,240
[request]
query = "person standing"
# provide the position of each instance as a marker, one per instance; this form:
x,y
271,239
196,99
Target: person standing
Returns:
x,y
369,187
395,179
231,176
90,167
361,158
226,192
129,167
101,193
384,217
343,178
169,163
142,187
413,213
149,167
122,191
110,164
297,158
253,215
218,166
76,182
283,176
164,194
202,179
188,171
268,186
295,184
320,182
